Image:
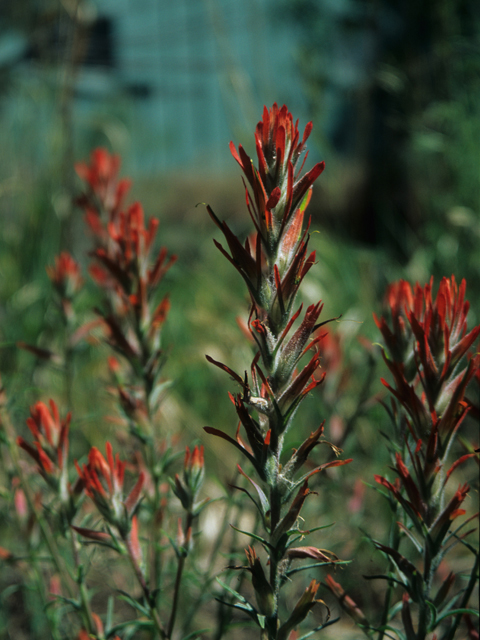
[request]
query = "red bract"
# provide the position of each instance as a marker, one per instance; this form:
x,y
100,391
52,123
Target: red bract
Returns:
x,y
187,488
436,334
128,270
427,348
106,191
278,189
51,438
65,275
132,276
103,481
399,300
50,452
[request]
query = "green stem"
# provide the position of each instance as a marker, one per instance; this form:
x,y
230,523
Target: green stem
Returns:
x,y
394,542
84,599
178,580
146,591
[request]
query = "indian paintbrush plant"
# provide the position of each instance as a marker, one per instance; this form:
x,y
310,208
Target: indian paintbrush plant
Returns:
x,y
273,262
430,354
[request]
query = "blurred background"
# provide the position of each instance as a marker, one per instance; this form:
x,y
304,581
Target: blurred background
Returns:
x,y
393,90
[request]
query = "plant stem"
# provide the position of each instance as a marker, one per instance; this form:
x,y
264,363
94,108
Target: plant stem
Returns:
x,y
178,580
146,591
87,613
394,542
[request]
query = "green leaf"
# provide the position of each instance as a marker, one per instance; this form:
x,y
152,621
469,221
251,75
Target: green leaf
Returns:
x,y
307,533
433,610
198,507
254,536
263,498
135,624
454,612
315,565
257,505
156,393
195,634
109,619
322,626
410,535
74,603
234,593
392,612
134,603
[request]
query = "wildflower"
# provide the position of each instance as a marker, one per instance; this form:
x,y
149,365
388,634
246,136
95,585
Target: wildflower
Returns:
x,y
187,489
273,261
436,332
65,275
106,190
103,481
50,450
277,188
129,271
439,338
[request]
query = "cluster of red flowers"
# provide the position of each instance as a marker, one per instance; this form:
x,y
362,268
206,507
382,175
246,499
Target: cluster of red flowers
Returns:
x,y
50,451
428,349
273,265
273,262
428,354
129,271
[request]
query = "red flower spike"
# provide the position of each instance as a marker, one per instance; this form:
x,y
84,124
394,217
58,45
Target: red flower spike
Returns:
x,y
102,177
50,450
65,276
127,270
187,489
274,186
103,481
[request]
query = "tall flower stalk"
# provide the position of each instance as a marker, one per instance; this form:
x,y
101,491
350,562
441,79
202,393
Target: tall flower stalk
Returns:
x,y
273,262
128,270
429,353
